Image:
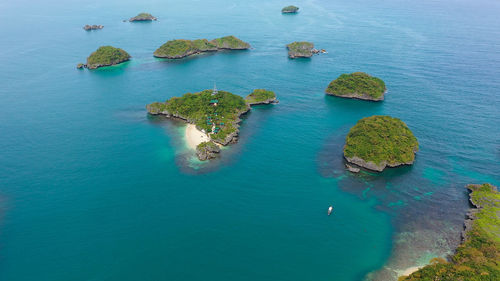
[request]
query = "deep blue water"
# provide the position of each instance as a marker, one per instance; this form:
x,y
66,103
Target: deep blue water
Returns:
x,y
91,188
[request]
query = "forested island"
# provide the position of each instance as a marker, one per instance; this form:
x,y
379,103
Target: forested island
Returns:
x,y
378,142
215,113
478,256
180,48
105,56
143,17
300,50
357,85
290,9
261,96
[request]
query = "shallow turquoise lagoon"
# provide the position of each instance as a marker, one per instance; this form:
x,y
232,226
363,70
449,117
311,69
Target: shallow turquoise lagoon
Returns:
x,y
91,188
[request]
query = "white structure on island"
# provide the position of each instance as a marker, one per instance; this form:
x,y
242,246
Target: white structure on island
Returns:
x,y
215,92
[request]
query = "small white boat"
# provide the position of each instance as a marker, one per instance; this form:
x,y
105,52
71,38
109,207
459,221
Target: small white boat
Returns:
x,y
330,209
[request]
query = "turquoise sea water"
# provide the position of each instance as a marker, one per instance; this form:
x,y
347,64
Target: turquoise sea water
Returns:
x,y
91,188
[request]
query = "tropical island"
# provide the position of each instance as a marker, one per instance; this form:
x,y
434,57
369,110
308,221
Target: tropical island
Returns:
x,y
143,17
261,96
300,50
357,85
105,56
478,256
88,27
213,117
290,9
378,142
180,48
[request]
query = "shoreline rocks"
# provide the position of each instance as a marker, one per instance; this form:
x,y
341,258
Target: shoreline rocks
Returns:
x,y
207,150
352,169
93,27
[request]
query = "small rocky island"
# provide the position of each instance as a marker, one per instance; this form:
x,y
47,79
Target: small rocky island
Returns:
x,y
216,114
105,56
478,256
290,9
177,49
357,85
378,142
302,50
93,27
261,96
143,17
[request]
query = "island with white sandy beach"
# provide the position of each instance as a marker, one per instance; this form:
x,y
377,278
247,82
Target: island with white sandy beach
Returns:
x,y
213,117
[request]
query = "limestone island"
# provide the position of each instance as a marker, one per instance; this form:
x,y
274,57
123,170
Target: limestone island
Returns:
x,y
302,50
357,85
478,256
93,27
180,48
143,17
261,96
213,117
290,9
105,56
378,142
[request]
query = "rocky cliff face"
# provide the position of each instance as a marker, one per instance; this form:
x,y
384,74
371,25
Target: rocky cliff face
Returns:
x,y
267,101
374,166
207,150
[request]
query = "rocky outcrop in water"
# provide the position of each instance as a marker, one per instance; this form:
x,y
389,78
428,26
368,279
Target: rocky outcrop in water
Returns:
x,y
143,17
93,27
207,150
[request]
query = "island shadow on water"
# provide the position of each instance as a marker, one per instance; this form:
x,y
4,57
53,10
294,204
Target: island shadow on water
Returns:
x,y
422,229
185,157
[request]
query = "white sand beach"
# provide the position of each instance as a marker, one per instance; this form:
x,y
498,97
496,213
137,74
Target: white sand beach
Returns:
x,y
409,270
194,136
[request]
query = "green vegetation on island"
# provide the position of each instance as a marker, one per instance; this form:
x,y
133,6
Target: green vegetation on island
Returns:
x,y
300,49
207,150
357,85
290,9
143,17
261,96
478,257
230,43
180,48
106,56
216,114
379,141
